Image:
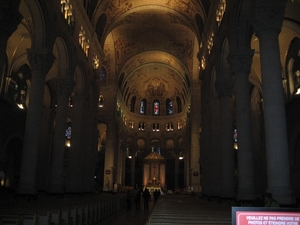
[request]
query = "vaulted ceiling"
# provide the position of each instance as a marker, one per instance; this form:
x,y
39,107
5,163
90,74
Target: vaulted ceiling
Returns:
x,y
151,45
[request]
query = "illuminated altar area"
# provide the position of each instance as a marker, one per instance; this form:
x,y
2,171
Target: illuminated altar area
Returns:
x,y
154,171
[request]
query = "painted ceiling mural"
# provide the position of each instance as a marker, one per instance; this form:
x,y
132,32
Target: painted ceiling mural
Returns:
x,y
156,41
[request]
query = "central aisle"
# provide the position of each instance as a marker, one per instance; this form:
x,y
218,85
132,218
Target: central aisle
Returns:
x,y
177,210
130,217
187,209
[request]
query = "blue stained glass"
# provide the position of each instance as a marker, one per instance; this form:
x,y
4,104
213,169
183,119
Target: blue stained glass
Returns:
x,y
142,108
170,108
102,75
68,133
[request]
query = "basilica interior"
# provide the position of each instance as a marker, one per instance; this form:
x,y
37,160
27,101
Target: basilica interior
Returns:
x,y
189,95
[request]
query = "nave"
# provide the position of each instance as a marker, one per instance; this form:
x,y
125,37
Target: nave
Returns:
x,y
110,209
177,210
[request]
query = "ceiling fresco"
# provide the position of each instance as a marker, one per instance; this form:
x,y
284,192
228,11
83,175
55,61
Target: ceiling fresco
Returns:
x,y
154,43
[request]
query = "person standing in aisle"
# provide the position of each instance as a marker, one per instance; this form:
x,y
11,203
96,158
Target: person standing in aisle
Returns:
x,y
146,196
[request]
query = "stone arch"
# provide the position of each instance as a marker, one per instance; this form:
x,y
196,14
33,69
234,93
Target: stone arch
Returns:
x,y
240,30
292,66
141,147
200,25
37,15
155,144
101,24
61,66
180,143
170,144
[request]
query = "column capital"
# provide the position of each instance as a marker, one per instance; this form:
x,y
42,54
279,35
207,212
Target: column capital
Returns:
x,y
40,60
224,87
268,16
240,60
64,85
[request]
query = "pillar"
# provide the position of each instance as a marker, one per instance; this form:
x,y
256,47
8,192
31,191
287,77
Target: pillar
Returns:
x,y
132,168
176,171
240,64
40,61
211,150
267,21
64,87
121,163
76,155
109,158
45,150
90,154
195,116
224,88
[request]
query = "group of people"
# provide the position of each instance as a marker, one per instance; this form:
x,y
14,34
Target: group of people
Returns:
x,y
138,194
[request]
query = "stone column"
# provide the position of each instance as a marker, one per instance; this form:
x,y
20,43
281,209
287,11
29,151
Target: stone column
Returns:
x,y
109,158
224,88
120,167
9,20
176,171
133,168
123,168
195,144
205,145
267,21
40,61
240,64
64,87
45,150
210,154
76,162
90,154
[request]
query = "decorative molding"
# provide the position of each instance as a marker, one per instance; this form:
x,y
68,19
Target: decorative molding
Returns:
x,y
40,60
268,17
241,60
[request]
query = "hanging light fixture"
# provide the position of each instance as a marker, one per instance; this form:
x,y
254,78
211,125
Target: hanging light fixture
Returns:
x,y
181,155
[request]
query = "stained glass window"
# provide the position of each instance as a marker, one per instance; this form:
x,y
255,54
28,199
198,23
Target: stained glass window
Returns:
x,y
156,108
102,74
235,135
132,104
68,132
143,105
169,107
